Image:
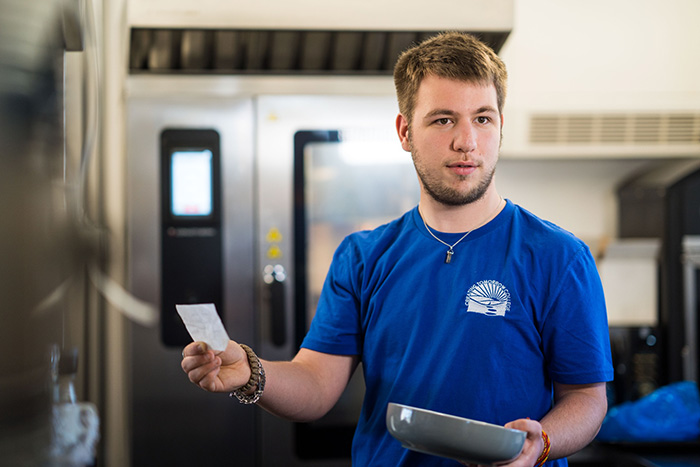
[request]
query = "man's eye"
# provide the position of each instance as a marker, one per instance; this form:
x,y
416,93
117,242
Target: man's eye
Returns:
x,y
483,119
442,121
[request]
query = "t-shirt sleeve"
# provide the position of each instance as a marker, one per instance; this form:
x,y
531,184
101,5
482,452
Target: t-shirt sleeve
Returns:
x,y
575,332
336,328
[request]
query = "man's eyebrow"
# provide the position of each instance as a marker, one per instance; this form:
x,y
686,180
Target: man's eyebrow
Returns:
x,y
448,112
436,112
487,109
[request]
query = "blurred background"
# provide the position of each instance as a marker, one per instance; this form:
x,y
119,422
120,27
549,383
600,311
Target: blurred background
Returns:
x,y
154,153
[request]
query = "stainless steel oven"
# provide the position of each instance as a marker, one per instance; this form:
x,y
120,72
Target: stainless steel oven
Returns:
x,y
295,172
188,258
290,117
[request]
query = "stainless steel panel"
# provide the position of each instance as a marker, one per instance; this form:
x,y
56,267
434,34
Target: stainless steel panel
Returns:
x,y
42,250
257,136
314,50
279,118
228,46
192,48
172,421
283,51
346,50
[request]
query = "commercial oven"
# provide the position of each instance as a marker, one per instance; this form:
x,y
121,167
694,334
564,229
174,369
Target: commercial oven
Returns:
x,y
241,200
258,137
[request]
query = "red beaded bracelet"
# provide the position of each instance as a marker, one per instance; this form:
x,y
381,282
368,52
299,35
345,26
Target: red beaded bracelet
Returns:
x,y
545,452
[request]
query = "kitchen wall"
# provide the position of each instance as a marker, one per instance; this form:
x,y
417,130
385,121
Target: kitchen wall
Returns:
x,y
604,55
595,57
579,195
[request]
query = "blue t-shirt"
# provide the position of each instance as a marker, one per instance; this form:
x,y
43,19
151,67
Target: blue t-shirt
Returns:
x,y
519,306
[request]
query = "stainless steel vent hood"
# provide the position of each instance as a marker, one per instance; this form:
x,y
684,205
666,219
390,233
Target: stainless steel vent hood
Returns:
x,y
301,37
274,51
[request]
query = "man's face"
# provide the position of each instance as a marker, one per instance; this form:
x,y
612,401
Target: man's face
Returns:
x,y
454,139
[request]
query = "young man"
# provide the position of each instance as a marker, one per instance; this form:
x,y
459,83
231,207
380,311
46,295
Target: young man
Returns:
x,y
467,304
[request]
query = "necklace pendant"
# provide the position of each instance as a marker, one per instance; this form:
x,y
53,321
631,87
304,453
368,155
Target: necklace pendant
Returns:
x,y
448,257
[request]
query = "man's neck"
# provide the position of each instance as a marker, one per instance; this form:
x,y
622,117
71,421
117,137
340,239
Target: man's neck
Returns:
x,y
463,218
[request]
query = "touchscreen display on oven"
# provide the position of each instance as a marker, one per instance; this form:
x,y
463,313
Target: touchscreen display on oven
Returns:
x,y
191,183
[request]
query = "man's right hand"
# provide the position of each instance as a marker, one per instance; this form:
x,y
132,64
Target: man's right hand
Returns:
x,y
216,372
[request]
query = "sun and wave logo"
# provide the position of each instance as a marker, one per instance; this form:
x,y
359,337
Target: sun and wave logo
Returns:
x,y
489,298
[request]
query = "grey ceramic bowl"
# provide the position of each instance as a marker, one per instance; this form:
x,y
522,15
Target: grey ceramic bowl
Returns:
x,y
454,437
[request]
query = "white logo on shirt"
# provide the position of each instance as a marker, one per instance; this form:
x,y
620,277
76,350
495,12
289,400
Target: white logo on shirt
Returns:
x,y
489,298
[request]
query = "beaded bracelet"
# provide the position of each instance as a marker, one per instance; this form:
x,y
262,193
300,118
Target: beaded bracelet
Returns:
x,y
545,451
257,378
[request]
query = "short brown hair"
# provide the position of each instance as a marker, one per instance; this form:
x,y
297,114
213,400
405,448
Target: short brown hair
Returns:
x,y
452,55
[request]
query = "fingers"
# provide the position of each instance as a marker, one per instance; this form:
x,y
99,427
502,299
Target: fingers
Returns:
x,y
206,377
201,365
194,348
533,442
215,371
195,355
525,424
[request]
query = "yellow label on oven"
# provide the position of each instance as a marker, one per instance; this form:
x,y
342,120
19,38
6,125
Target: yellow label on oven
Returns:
x,y
274,252
273,235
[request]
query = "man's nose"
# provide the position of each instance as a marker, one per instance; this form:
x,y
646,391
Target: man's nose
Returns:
x,y
464,139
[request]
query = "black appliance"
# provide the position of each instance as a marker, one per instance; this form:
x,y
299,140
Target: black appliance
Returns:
x,y
664,203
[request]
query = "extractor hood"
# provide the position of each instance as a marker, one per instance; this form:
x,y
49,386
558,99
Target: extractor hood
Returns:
x,y
362,37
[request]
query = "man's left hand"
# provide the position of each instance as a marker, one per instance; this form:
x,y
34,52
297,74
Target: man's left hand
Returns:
x,y
534,444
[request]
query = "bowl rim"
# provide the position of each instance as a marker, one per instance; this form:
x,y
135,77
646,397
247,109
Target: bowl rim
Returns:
x,y
455,417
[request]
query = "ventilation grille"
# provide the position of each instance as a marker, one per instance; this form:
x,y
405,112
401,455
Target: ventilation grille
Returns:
x,y
274,51
616,129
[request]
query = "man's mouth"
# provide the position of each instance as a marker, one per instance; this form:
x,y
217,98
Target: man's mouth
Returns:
x,y
462,168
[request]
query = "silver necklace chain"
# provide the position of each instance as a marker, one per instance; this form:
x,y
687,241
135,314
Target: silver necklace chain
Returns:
x,y
450,250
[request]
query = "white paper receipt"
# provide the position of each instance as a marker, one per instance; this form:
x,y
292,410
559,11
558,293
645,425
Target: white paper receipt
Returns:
x,y
204,325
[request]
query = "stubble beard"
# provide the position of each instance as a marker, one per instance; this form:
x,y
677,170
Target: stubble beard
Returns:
x,y
447,195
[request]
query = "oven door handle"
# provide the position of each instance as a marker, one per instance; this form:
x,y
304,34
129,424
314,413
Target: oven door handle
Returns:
x,y
275,277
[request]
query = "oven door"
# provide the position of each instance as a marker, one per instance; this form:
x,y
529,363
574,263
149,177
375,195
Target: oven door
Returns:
x,y
327,166
186,259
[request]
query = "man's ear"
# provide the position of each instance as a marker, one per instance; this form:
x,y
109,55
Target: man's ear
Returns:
x,y
500,141
402,130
